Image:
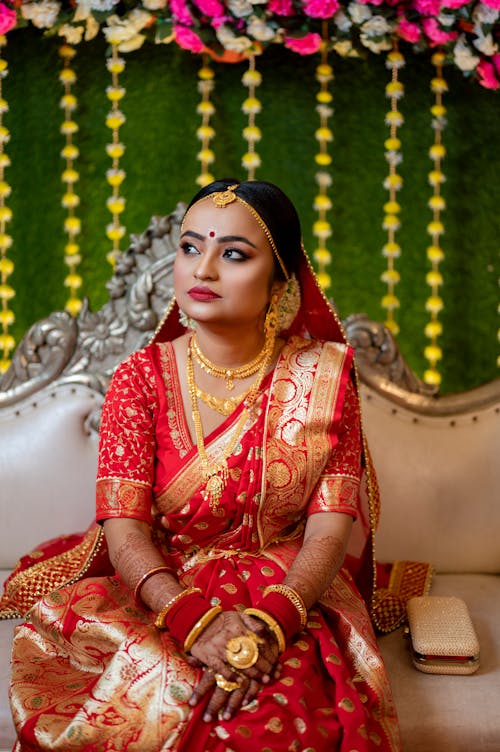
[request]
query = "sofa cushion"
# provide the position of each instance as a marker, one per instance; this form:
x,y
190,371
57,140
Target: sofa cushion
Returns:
x,y
440,713
439,479
48,465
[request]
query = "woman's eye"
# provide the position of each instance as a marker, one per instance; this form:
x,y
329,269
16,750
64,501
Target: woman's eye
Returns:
x,y
235,254
188,248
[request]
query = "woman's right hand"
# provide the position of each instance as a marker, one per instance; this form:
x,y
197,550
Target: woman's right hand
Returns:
x,y
210,651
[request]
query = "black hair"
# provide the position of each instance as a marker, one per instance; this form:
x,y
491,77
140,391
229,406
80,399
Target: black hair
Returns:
x,y
275,209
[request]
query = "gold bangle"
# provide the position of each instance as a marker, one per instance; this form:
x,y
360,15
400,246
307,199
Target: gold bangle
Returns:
x,y
292,596
160,618
271,623
145,578
200,626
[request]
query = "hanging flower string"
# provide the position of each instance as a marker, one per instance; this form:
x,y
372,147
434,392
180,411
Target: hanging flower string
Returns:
x,y
322,204
392,183
251,107
7,341
70,176
435,228
115,175
205,132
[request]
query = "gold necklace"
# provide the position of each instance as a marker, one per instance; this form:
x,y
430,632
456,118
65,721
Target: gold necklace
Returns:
x,y
215,471
229,374
223,405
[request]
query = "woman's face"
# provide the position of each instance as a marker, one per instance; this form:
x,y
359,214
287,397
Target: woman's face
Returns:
x,y
224,267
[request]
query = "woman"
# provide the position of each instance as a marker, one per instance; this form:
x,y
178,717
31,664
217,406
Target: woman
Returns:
x,y
230,468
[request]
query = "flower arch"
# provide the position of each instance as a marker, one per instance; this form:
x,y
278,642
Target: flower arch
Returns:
x,y
465,30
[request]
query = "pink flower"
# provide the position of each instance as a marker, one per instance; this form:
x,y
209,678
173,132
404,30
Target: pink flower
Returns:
x,y
306,45
281,7
435,34
187,39
209,7
180,11
495,4
7,19
454,3
410,32
496,61
427,7
321,8
487,77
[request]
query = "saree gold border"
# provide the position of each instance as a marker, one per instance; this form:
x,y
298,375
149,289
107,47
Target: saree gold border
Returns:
x,y
72,566
190,478
330,360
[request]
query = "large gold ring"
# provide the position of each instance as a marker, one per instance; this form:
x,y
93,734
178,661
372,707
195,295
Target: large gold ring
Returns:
x,y
243,652
225,684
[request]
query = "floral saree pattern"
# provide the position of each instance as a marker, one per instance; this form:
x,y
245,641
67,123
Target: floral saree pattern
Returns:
x,y
110,680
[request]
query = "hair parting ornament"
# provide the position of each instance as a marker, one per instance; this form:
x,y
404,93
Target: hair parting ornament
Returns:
x,y
221,199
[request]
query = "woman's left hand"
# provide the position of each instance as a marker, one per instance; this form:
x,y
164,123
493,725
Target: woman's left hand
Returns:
x,y
230,688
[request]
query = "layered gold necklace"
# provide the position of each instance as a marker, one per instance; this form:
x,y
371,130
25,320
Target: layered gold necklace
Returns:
x,y
228,374
215,470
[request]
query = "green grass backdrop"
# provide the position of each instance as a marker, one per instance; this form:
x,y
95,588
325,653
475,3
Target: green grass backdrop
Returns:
x,y
161,165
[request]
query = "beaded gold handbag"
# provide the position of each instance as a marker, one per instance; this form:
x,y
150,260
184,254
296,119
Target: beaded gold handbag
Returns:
x,y
443,639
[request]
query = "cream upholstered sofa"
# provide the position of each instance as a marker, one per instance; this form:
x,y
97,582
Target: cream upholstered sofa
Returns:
x,y
437,460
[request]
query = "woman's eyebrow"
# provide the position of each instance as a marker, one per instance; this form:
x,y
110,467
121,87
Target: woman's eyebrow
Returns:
x,y
222,239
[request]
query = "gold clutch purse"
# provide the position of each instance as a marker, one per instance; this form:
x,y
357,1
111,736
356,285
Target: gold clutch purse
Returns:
x,y
443,639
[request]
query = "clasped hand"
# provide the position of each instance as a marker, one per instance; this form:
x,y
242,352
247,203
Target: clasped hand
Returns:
x,y
231,688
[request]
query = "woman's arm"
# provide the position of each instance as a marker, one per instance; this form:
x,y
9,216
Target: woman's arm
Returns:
x,y
133,554
321,556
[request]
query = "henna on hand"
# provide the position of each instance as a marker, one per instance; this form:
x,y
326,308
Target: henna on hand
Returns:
x,y
315,567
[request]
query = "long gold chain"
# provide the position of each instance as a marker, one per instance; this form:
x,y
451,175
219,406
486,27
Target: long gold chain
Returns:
x,y
215,471
229,374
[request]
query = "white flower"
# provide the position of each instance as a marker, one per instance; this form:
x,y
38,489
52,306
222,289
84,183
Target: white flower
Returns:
x,y
91,28
359,12
230,41
462,54
446,19
342,21
154,4
258,29
485,44
240,8
42,15
375,27
72,34
344,48
483,14
124,32
376,47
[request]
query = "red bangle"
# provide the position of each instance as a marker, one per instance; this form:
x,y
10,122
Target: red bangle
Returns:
x,y
184,614
284,612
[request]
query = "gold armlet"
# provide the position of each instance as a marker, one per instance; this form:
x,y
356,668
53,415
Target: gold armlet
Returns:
x,y
293,597
271,623
160,618
200,626
145,578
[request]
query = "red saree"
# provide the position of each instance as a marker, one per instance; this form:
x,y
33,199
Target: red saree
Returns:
x,y
91,673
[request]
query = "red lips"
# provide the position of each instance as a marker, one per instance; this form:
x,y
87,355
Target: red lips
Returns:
x,y
202,293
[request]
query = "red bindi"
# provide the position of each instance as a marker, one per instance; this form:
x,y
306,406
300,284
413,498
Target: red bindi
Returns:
x,y
212,234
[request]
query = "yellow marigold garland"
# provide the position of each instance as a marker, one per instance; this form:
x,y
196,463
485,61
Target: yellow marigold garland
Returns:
x,y
70,176
115,150
322,203
251,107
392,183
435,228
205,132
7,341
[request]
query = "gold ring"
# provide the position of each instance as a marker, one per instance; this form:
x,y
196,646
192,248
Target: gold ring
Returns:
x,y
225,684
243,652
